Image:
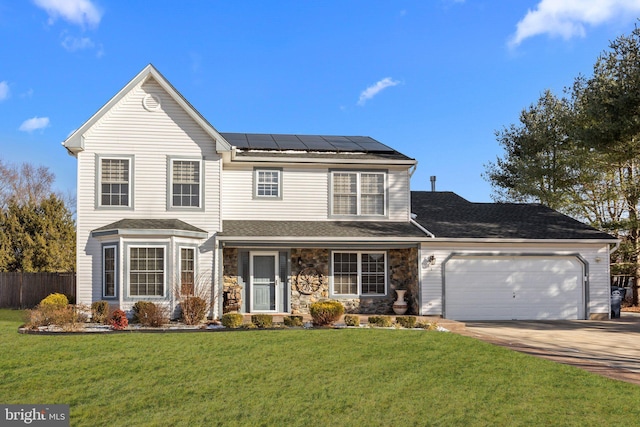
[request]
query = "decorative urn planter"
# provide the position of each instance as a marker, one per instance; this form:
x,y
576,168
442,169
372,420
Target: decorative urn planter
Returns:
x,y
400,305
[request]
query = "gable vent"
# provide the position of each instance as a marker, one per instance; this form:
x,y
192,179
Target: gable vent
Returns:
x,y
151,102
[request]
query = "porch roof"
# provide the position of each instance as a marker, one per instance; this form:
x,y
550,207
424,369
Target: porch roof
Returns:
x,y
320,230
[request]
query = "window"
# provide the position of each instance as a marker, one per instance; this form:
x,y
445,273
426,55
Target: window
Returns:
x,y
185,183
109,271
114,182
267,183
359,273
146,271
187,271
358,193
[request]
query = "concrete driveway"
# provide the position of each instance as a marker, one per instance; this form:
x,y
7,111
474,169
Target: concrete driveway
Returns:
x,y
610,348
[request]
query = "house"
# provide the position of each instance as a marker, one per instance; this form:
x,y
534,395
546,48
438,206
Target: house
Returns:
x,y
265,223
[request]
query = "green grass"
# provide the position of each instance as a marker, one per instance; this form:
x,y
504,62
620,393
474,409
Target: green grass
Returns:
x,y
367,377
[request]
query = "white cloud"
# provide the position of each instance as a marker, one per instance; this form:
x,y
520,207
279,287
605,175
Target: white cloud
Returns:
x,y
73,44
567,18
34,123
4,90
376,88
78,12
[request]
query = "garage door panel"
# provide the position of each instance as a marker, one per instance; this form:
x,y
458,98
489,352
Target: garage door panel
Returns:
x,y
505,288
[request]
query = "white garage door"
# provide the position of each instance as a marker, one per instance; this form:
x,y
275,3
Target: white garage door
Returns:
x,y
513,288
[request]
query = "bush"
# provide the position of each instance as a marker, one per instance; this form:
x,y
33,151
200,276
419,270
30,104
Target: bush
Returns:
x,y
326,312
150,314
406,321
262,320
55,300
193,310
232,320
293,321
100,311
351,320
380,321
119,320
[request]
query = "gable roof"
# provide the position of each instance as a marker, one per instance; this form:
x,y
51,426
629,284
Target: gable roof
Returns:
x,y
447,215
75,142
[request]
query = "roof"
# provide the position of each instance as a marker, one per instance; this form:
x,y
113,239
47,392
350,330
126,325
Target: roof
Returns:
x,y
447,215
321,146
150,226
320,229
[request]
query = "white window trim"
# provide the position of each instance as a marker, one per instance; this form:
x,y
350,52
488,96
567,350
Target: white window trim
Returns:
x,y
98,190
164,269
195,267
358,174
359,293
115,272
170,205
256,172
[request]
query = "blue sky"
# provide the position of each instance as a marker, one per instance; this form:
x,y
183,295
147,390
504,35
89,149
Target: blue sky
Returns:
x,y
433,79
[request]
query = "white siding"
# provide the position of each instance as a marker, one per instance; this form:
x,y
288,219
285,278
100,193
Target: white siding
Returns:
x,y
151,137
596,255
305,194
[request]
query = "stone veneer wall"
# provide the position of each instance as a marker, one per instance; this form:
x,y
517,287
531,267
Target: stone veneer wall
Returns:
x,y
403,274
231,289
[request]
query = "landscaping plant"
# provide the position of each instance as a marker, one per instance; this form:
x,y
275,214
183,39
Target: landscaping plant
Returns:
x,y
326,312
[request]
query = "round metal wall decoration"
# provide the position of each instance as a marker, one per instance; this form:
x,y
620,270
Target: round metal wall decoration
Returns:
x,y
308,280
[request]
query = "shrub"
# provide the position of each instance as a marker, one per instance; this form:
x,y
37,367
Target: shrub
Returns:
x,y
119,320
151,314
193,310
326,312
429,326
262,320
232,320
55,300
380,321
100,311
352,320
406,321
293,321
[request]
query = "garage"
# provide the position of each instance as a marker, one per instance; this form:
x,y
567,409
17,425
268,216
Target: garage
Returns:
x,y
522,287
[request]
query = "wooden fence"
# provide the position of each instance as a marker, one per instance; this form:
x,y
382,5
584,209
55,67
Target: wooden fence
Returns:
x,y
25,290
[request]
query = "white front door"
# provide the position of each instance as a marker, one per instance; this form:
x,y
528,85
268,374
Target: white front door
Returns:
x,y
264,281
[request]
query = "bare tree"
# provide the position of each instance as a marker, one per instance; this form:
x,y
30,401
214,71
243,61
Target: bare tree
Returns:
x,y
24,183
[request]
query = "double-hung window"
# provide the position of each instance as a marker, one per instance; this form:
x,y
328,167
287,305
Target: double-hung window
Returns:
x,y
115,182
146,271
358,193
268,183
185,183
359,273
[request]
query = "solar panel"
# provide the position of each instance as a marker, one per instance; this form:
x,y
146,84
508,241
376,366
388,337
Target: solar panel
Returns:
x,y
289,142
317,143
261,141
236,139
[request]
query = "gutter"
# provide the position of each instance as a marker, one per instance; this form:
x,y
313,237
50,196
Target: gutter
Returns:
x,y
421,228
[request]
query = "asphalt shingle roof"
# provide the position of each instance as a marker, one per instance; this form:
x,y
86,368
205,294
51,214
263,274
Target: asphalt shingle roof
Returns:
x,y
150,224
447,215
327,229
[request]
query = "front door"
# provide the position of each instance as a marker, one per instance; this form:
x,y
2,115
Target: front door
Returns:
x,y
264,281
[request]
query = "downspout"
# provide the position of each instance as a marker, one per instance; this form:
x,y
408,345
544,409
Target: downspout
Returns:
x,y
421,228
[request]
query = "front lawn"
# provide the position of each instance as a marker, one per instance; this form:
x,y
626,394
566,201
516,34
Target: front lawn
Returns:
x,y
367,377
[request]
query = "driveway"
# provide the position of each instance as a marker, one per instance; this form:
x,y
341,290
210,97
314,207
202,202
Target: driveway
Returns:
x,y
610,348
